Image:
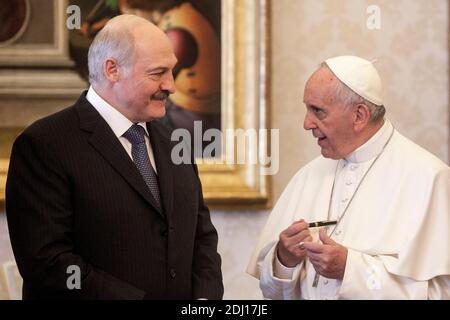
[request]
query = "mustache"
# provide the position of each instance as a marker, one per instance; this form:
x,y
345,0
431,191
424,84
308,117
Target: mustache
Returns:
x,y
161,95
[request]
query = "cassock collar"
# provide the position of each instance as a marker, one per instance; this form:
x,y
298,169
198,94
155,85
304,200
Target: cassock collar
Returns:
x,y
373,146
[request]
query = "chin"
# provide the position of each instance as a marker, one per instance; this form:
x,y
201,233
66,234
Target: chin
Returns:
x,y
157,115
329,155
157,110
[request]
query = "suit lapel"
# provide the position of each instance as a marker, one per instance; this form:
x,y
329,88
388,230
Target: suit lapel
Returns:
x,y
161,152
103,139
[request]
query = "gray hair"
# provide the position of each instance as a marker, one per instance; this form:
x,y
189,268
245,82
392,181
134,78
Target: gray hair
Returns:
x,y
350,98
114,41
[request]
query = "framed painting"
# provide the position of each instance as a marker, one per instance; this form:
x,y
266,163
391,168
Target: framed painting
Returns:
x,y
241,176
230,139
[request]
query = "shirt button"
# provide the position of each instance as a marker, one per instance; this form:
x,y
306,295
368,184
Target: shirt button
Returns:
x,y
344,200
325,281
348,182
173,274
353,167
338,232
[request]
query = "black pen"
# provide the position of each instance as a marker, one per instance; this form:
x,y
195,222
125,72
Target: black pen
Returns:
x,y
322,223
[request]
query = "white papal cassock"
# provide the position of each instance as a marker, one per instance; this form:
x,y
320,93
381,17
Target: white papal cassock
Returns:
x,y
396,227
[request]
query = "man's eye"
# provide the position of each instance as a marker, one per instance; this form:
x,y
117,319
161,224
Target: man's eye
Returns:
x,y
316,110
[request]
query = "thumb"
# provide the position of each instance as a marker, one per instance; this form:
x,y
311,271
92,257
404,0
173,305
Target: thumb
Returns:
x,y
325,238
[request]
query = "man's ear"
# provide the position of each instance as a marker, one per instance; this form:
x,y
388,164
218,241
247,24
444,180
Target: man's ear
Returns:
x,y
362,116
111,70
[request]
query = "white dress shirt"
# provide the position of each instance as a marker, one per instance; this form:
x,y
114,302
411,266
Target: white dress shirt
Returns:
x,y
118,123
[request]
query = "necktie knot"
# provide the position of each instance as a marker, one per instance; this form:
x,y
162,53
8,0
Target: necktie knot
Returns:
x,y
135,134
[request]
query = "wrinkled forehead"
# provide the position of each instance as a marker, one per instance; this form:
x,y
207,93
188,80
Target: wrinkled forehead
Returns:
x,y
321,81
321,85
322,77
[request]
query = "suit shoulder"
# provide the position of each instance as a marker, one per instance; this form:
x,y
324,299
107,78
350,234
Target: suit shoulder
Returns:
x,y
53,124
51,128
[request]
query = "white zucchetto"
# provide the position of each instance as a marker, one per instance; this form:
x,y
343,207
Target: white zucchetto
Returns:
x,y
359,75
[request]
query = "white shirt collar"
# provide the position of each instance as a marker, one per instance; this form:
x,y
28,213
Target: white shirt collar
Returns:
x,y
373,146
117,121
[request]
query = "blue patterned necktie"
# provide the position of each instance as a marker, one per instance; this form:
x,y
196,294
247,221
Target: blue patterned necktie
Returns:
x,y
140,158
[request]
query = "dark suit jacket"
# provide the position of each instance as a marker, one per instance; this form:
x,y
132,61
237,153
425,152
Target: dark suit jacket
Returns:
x,y
75,197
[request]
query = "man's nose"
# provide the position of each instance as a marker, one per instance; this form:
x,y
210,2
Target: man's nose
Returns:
x,y
308,123
169,83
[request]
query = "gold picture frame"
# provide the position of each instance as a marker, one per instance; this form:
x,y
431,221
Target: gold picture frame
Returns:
x,y
245,97
244,105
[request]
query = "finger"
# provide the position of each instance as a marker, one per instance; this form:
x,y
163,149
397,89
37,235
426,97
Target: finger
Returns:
x,y
314,256
293,244
296,228
306,239
315,260
297,241
316,265
314,247
325,238
299,237
301,243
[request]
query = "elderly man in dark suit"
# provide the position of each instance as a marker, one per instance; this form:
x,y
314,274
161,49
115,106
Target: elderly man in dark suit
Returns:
x,y
93,188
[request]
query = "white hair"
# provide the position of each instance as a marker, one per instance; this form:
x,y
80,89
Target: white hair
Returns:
x,y
115,41
350,98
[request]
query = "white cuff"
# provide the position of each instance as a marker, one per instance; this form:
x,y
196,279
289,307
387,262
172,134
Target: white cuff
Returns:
x,y
280,271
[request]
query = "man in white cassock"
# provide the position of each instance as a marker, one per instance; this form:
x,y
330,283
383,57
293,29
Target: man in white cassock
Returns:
x,y
390,198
